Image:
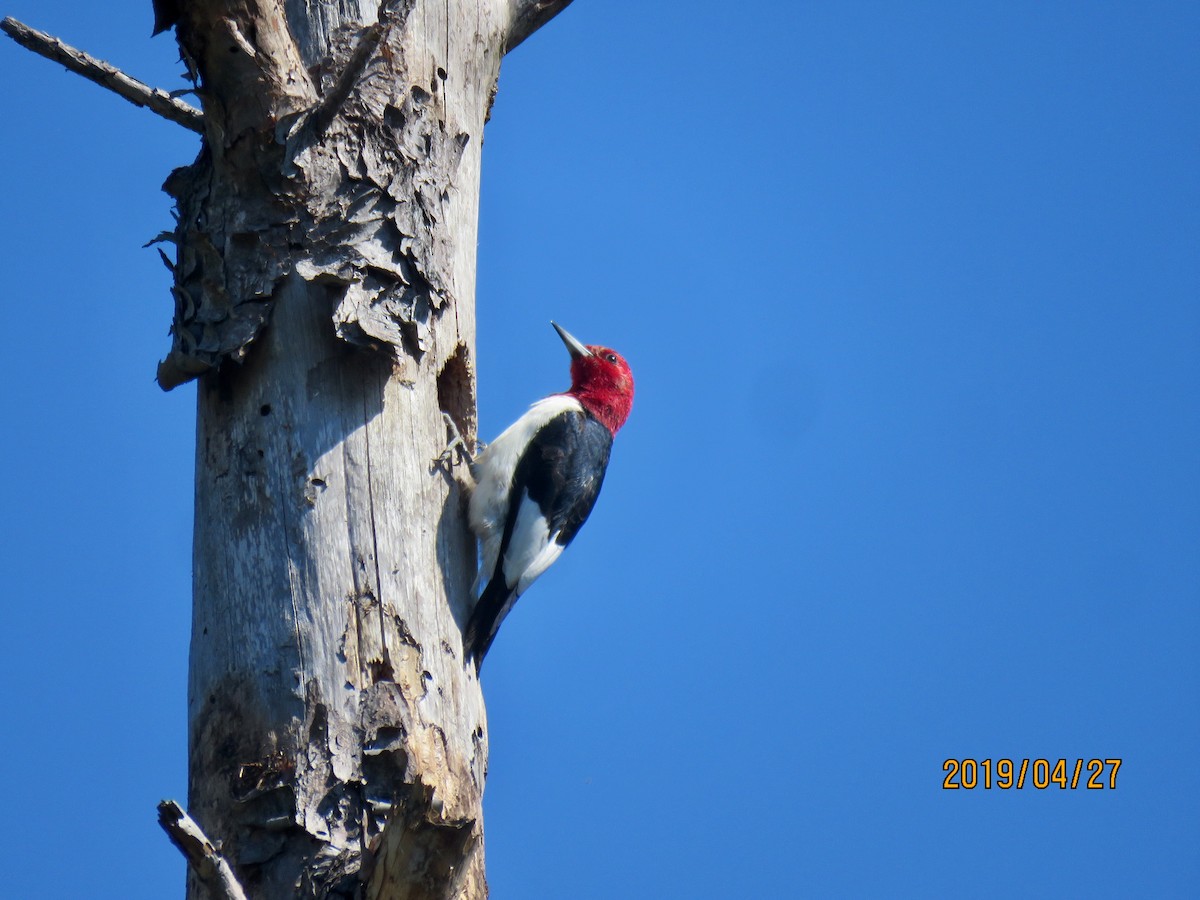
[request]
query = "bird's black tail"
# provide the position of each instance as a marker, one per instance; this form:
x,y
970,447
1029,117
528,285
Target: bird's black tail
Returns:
x,y
494,604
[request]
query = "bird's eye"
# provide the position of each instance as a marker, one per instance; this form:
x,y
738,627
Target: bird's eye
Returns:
x,y
612,357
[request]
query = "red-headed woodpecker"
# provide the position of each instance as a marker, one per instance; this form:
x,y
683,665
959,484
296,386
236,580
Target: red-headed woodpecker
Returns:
x,y
538,481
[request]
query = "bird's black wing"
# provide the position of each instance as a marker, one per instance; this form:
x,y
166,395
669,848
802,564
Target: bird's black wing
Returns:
x,y
562,471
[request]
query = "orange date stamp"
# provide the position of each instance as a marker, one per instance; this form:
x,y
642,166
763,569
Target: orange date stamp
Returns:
x,y
1006,774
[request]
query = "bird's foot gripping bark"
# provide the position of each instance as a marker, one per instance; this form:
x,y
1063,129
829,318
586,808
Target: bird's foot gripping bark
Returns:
x,y
456,453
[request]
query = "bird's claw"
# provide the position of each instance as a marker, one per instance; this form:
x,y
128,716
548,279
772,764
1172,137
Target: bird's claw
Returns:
x,y
456,451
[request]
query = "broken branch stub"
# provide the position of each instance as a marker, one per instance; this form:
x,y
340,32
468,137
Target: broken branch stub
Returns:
x,y
105,74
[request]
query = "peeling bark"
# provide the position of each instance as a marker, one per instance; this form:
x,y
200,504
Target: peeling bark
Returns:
x,y
370,199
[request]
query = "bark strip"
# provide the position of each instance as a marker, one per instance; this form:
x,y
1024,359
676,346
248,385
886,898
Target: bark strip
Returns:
x,y
332,102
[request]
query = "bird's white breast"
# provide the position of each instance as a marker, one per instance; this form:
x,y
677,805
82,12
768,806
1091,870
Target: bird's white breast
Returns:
x,y
494,470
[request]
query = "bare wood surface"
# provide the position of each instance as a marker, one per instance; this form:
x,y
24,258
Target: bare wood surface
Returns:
x,y
209,865
250,67
105,75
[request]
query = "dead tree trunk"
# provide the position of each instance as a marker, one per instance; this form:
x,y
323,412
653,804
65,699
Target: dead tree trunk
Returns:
x,y
324,295
336,735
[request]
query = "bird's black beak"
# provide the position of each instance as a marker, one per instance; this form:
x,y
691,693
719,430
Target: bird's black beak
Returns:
x,y
577,349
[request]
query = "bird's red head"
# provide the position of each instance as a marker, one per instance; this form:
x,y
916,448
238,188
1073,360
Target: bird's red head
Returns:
x,y
600,380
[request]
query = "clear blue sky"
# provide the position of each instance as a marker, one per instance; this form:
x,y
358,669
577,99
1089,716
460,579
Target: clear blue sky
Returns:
x,y
911,296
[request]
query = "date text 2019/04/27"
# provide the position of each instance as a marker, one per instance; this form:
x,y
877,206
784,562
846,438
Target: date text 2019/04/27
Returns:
x,y
1005,774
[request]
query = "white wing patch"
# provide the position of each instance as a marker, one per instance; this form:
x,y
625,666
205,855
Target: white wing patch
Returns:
x,y
532,549
540,563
